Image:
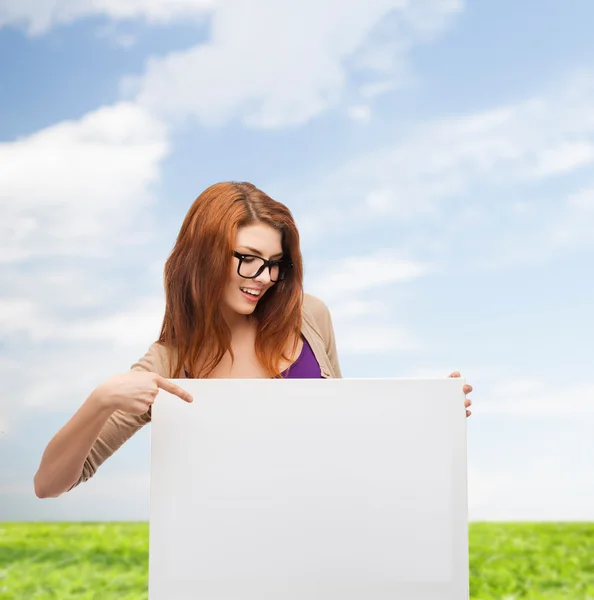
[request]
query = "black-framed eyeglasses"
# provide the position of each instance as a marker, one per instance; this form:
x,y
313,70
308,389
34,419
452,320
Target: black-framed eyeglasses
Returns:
x,y
251,266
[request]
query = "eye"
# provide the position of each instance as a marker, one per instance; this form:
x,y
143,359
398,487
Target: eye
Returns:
x,y
248,260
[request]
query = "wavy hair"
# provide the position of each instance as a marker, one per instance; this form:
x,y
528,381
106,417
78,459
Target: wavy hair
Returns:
x,y
197,271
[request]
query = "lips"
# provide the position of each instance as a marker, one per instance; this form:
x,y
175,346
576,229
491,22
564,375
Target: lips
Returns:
x,y
251,294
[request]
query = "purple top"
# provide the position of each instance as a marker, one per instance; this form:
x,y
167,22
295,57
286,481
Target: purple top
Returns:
x,y
305,367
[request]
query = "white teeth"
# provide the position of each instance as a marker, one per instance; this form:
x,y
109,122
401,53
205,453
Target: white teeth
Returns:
x,y
250,292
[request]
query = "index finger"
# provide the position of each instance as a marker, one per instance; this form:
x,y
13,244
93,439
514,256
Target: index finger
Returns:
x,y
170,387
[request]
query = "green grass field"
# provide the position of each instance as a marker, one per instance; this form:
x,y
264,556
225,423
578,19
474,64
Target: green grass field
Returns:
x,y
101,561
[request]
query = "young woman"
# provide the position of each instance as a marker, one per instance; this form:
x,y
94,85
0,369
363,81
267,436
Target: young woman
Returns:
x,y
235,308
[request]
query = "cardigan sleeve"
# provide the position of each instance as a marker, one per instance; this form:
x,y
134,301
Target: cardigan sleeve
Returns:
x,y
322,317
121,426
330,338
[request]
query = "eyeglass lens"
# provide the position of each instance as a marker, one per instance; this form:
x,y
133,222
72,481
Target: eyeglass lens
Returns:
x,y
251,267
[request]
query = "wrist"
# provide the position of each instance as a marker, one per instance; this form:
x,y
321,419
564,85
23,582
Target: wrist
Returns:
x,y
102,401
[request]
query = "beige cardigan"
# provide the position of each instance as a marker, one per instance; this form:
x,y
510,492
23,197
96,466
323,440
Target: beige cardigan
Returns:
x,y
316,328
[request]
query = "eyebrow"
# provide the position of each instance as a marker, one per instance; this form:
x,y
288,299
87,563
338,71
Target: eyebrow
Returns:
x,y
256,251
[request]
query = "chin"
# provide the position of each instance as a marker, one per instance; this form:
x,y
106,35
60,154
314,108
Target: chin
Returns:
x,y
240,308
245,310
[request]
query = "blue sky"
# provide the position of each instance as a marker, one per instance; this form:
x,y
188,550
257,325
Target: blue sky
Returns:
x,y
437,155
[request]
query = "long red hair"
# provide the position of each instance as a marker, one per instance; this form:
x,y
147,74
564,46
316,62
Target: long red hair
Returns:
x,y
197,272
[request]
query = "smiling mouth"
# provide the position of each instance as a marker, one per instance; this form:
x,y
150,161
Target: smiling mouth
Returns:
x,y
251,293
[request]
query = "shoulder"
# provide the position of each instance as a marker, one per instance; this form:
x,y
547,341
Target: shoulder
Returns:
x,y
156,360
314,306
317,313
318,321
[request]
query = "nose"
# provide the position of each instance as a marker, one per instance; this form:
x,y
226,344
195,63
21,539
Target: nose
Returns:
x,y
264,277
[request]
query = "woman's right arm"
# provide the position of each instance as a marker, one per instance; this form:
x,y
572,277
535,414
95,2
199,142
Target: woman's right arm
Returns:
x,y
113,412
65,456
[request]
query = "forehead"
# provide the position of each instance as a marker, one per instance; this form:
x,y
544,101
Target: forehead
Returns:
x,y
260,236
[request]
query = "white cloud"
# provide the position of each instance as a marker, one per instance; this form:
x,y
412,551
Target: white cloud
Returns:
x,y
39,16
362,318
442,160
531,398
70,365
271,64
573,228
68,376
76,214
372,90
37,322
80,187
582,201
357,274
85,350
565,157
360,112
532,484
452,181
255,66
485,375
16,314
368,339
135,327
356,308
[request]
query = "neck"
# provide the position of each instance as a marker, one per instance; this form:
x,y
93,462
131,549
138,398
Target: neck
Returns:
x,y
236,322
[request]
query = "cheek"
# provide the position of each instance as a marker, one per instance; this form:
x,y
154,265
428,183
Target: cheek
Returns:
x,y
231,284
234,277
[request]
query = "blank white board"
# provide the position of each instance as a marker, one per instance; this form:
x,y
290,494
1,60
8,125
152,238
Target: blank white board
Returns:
x,y
341,489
